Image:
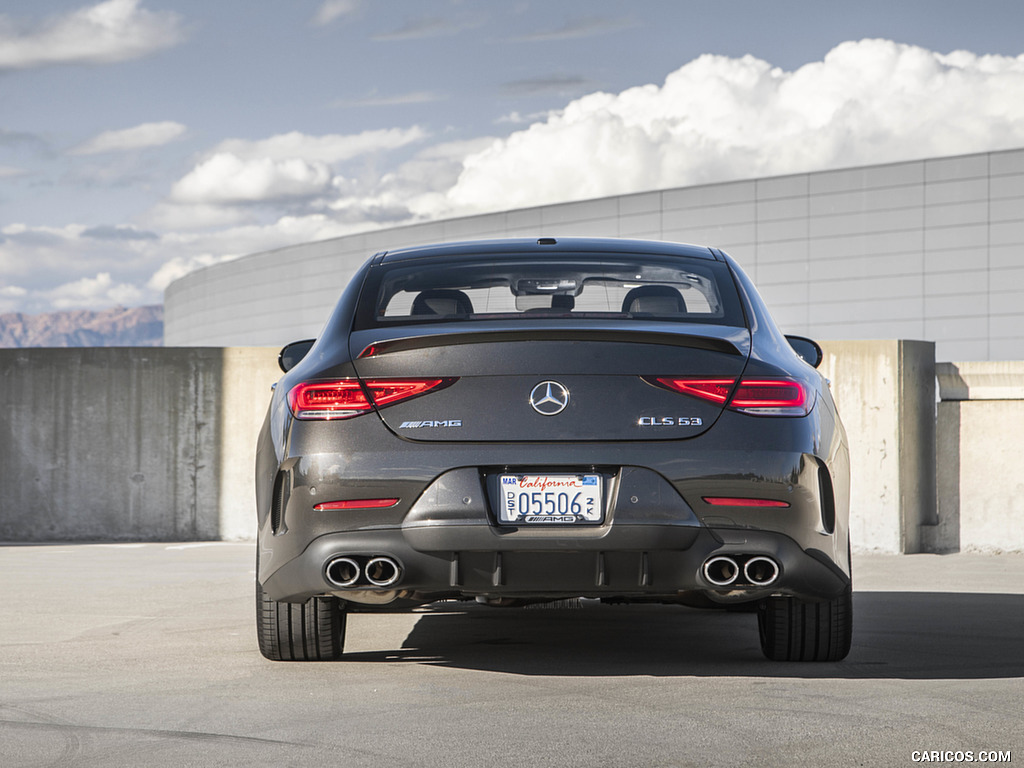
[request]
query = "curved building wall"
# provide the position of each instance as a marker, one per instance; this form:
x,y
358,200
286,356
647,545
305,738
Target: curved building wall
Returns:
x,y
928,249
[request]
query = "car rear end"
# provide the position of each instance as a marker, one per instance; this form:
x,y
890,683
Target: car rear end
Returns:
x,y
533,420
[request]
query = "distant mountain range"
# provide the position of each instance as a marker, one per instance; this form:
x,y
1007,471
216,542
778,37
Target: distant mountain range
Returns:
x,y
118,327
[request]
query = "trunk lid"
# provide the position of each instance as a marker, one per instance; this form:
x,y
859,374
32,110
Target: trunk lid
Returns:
x,y
549,383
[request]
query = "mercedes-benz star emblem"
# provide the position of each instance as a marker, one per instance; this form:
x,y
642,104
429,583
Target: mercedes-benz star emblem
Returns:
x,y
549,398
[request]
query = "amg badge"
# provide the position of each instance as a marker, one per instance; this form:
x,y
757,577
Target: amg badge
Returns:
x,y
420,424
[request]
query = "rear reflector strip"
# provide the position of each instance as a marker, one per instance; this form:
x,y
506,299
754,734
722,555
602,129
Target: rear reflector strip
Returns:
x,y
329,506
737,501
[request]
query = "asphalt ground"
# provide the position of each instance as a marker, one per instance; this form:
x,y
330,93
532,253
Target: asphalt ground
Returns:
x,y
145,655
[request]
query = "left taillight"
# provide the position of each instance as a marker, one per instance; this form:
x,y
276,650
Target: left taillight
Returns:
x,y
761,397
346,398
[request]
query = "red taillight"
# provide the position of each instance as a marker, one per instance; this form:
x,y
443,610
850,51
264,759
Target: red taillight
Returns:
x,y
764,397
328,506
715,390
737,501
345,398
328,399
388,391
769,393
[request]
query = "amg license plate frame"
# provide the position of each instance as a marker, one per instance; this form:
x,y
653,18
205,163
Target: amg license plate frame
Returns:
x,y
538,499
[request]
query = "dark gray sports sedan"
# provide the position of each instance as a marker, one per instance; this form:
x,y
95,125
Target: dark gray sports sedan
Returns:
x,y
523,421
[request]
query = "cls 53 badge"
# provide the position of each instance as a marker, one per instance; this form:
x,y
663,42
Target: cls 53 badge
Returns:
x,y
670,421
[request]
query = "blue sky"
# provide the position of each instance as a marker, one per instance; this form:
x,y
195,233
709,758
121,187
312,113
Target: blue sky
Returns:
x,y
140,139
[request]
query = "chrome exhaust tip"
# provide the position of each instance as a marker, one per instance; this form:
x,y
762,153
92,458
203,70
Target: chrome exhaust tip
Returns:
x,y
343,572
383,572
761,571
721,571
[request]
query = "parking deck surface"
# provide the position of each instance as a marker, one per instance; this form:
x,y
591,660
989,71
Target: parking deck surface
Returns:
x,y
145,655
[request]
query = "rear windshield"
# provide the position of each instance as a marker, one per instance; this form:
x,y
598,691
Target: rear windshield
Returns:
x,y
673,290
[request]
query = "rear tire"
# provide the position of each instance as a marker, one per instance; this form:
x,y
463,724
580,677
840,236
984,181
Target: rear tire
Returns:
x,y
795,630
309,631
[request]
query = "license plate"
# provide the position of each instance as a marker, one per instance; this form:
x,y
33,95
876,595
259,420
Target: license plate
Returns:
x,y
550,499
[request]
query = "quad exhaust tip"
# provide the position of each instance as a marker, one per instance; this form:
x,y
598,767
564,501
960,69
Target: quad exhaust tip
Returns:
x,y
383,572
347,571
726,571
343,572
722,571
761,571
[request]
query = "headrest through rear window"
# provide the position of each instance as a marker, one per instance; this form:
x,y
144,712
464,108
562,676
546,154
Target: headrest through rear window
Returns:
x,y
442,302
655,300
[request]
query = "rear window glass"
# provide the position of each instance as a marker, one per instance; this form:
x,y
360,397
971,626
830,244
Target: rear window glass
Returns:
x,y
679,290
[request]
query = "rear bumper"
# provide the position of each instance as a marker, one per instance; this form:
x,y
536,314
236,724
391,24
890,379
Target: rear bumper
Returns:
x,y
447,545
647,561
653,543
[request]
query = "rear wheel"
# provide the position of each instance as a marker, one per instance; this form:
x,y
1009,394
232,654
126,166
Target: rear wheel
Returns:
x,y
795,630
309,631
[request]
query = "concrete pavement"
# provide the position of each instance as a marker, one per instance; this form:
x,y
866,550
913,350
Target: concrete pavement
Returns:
x,y
145,655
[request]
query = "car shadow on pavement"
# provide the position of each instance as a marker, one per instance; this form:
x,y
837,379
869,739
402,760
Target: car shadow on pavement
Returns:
x,y
897,635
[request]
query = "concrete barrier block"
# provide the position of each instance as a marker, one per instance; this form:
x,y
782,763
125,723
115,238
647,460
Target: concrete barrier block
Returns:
x,y
247,374
980,427
885,393
130,444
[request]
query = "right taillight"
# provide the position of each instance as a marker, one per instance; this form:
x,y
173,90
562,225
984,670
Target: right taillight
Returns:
x,y
761,396
771,397
345,398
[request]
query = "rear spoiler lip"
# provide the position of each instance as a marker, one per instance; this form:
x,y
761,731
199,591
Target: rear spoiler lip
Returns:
x,y
664,338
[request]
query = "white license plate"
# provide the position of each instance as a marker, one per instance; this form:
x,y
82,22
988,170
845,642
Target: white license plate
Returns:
x,y
550,499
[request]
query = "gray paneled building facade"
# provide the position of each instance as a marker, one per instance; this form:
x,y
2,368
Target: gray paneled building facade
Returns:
x,y
927,249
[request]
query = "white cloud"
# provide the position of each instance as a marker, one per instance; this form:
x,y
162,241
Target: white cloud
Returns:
x,y
414,191
179,266
332,148
49,268
11,298
93,293
331,10
9,172
111,31
285,167
190,217
128,139
46,268
226,178
718,118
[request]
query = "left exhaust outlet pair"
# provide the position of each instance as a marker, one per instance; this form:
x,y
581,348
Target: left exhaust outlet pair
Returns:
x,y
348,571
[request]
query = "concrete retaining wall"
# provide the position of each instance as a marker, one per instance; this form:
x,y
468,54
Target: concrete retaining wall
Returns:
x,y
130,443
980,442
158,444
885,393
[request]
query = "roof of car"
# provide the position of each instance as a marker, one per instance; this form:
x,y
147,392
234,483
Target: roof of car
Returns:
x,y
552,245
